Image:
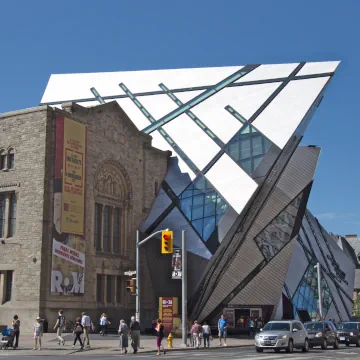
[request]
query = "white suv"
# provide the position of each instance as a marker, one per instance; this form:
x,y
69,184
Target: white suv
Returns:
x,y
287,334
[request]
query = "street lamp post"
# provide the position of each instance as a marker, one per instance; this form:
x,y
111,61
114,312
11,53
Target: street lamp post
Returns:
x,y
138,244
318,268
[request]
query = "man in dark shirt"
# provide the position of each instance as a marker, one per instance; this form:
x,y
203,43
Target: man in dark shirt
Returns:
x,y
135,334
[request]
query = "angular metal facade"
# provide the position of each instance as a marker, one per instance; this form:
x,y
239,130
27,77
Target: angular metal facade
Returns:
x,y
238,181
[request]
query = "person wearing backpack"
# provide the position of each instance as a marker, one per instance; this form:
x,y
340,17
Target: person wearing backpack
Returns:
x,y
78,330
60,326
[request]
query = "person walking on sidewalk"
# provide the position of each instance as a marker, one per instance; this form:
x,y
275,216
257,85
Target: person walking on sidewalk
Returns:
x,y
59,327
159,337
252,327
38,331
196,332
222,328
16,326
86,323
135,334
206,334
124,339
78,330
104,322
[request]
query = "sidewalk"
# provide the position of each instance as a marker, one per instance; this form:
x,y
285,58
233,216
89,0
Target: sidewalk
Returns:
x,y
103,345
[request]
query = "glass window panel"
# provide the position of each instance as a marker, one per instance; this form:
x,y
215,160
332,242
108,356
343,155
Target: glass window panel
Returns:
x,y
210,205
256,162
186,205
2,214
116,230
221,206
11,159
245,148
198,225
245,130
97,227
234,151
186,194
109,289
257,146
246,165
99,288
3,160
12,215
209,227
8,285
198,207
119,288
107,226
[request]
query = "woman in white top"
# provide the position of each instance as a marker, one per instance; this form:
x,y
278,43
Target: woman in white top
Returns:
x,y
206,333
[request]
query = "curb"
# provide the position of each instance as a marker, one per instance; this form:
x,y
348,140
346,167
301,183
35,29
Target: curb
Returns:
x,y
188,349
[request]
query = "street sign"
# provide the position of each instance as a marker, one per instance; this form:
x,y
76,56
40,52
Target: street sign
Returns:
x,y
130,273
176,264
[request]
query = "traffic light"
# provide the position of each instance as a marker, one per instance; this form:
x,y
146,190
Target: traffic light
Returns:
x,y
130,286
167,242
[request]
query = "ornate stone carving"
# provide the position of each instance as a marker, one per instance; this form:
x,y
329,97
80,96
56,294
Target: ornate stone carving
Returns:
x,y
112,181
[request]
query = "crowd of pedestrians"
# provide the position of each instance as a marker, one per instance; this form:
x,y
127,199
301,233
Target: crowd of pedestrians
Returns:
x,y
83,326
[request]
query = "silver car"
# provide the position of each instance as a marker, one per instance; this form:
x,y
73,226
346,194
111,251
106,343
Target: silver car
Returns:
x,y
286,334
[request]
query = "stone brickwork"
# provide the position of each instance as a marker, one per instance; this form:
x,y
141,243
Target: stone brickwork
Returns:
x,y
113,141
24,131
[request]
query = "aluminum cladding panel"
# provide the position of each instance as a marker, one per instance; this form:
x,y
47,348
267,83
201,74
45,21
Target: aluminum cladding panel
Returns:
x,y
270,280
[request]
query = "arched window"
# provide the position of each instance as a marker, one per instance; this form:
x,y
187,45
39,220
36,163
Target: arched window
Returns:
x,y
2,159
113,197
11,159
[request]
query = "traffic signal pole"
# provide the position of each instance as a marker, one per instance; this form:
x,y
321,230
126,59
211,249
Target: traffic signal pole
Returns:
x,y
138,244
137,315
184,290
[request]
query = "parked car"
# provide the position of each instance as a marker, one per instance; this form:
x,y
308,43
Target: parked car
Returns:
x,y
322,333
278,335
349,333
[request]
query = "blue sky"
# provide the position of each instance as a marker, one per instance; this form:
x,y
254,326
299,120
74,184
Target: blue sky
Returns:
x,y
38,38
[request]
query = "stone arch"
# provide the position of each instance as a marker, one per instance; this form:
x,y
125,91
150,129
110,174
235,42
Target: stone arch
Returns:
x,y
113,182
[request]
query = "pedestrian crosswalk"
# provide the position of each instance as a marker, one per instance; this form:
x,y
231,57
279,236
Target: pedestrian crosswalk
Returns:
x,y
235,354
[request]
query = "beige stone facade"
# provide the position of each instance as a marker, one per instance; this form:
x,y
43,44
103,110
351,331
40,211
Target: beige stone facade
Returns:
x,y
123,171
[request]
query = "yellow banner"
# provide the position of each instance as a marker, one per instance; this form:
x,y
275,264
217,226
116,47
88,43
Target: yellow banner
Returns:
x,y
73,195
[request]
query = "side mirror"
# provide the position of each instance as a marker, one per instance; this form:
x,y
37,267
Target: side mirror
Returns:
x,y
295,330
261,329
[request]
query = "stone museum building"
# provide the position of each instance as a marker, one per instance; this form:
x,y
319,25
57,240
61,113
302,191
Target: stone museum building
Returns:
x,y
123,172
217,152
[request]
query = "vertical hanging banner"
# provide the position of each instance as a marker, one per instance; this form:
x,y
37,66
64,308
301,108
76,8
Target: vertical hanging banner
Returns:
x,y
73,199
176,264
68,255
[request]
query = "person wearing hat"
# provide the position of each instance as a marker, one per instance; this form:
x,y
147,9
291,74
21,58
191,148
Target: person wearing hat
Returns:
x,y
38,331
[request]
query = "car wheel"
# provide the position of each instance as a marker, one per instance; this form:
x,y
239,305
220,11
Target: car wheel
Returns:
x,y
336,345
259,350
358,342
306,346
324,345
290,347
277,350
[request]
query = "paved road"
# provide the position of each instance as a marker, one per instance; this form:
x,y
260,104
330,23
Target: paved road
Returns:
x,y
247,353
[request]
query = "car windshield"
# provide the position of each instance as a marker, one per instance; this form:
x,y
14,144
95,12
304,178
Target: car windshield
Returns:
x,y
348,326
273,326
314,326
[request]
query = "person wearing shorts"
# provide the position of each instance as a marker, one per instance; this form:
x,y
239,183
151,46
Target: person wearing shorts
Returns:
x,y
222,328
38,330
